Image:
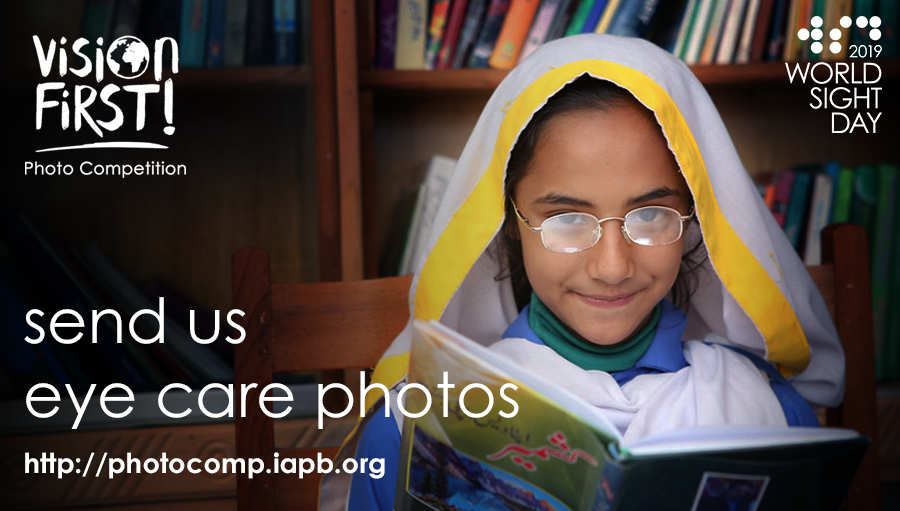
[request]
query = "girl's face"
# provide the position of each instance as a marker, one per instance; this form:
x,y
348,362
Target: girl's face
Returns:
x,y
605,164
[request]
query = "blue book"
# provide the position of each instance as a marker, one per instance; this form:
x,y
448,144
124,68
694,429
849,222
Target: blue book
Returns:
x,y
192,38
490,30
593,17
285,32
216,31
797,208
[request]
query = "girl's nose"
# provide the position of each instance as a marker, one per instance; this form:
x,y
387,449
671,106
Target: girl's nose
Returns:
x,y
610,259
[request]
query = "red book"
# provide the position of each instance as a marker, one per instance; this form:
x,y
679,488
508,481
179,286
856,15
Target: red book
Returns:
x,y
451,35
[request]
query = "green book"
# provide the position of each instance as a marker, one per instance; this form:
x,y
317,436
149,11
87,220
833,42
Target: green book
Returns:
x,y
581,14
843,198
890,362
881,256
865,198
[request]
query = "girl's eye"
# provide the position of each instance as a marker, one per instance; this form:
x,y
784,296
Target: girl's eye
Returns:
x,y
571,219
647,215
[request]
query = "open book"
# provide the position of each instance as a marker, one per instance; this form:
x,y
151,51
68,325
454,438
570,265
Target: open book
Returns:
x,y
559,453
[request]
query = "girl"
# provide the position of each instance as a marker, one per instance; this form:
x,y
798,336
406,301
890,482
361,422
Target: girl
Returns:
x,y
600,222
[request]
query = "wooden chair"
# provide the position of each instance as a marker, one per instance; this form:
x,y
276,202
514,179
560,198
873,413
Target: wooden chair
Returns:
x,y
342,325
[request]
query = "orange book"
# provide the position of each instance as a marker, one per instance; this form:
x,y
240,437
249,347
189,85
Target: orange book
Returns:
x,y
512,35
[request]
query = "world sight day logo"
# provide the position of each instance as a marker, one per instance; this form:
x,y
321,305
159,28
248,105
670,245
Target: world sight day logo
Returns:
x,y
848,89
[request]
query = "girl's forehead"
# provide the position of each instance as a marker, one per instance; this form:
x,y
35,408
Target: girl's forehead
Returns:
x,y
601,156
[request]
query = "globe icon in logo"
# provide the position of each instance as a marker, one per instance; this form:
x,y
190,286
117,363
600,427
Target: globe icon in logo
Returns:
x,y
128,57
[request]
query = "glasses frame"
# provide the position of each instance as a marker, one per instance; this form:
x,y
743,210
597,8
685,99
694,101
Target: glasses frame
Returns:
x,y
625,233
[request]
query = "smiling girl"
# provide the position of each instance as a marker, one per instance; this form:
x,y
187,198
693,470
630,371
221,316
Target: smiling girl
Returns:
x,y
600,230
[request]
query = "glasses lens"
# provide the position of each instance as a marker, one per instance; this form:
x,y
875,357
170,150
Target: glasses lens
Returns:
x,y
653,226
570,232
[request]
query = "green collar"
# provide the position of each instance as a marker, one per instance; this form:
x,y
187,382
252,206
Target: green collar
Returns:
x,y
584,354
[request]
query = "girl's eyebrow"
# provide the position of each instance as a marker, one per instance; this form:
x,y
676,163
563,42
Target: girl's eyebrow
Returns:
x,y
658,193
556,199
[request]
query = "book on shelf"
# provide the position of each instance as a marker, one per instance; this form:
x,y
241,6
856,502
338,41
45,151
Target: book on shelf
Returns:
x,y
436,28
609,12
431,191
412,19
882,245
820,204
596,13
798,207
216,34
475,15
582,10
487,37
192,37
540,28
731,31
512,33
555,451
386,34
890,358
697,36
759,34
234,36
455,20
126,17
717,23
634,18
285,28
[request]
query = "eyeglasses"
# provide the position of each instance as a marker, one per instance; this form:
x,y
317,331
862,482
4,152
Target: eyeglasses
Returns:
x,y
650,226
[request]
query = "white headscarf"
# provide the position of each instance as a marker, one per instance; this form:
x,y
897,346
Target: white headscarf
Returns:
x,y
755,293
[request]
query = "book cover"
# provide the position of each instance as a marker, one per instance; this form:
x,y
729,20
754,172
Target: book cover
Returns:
x,y
192,38
714,30
412,17
891,348
798,208
784,184
609,12
698,32
760,33
386,34
865,198
435,37
665,27
777,30
540,28
512,34
579,16
216,33
633,18
487,38
235,35
475,14
684,31
593,16
742,54
437,175
561,20
734,22
843,196
260,33
555,451
798,17
451,36
819,214
285,28
882,244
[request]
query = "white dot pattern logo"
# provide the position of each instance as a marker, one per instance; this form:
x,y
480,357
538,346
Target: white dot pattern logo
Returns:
x,y
835,34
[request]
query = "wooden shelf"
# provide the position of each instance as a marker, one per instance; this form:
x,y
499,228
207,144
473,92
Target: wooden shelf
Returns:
x,y
488,79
